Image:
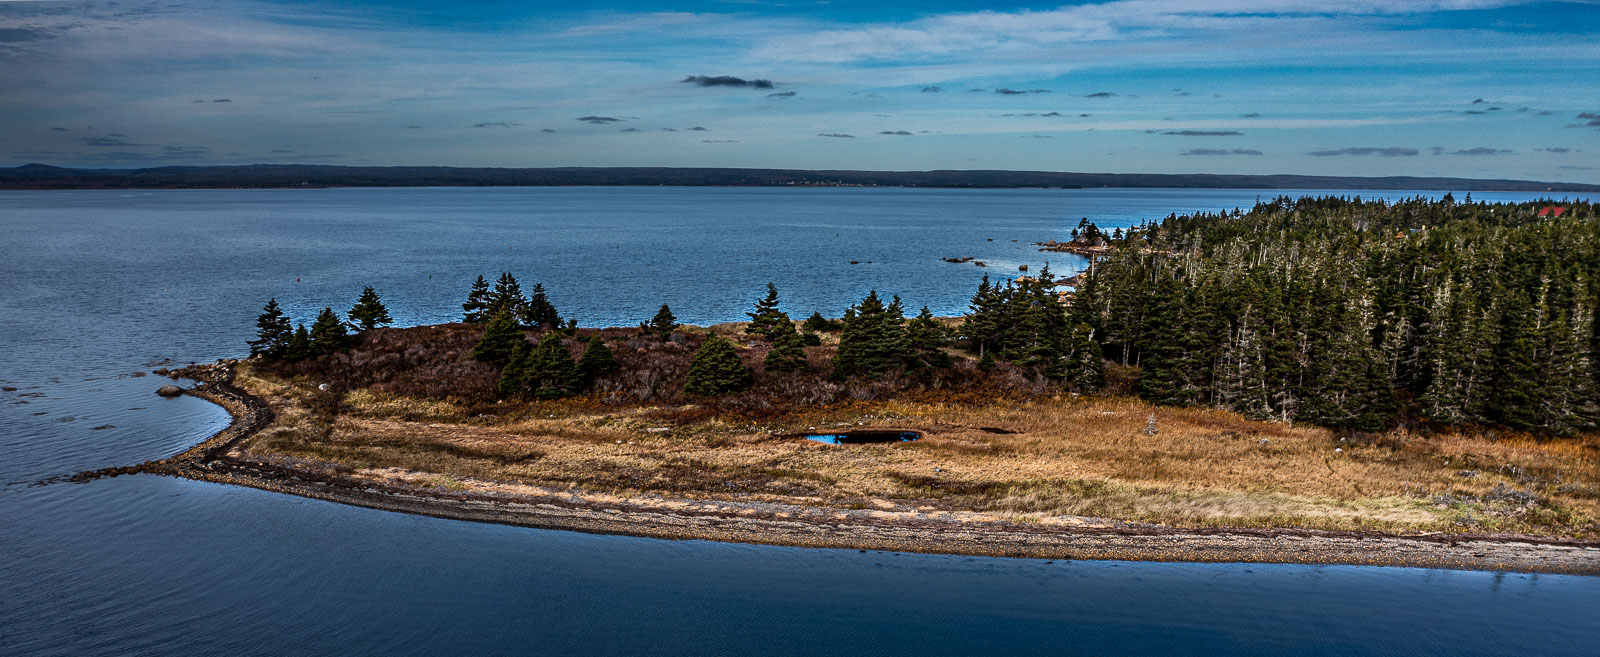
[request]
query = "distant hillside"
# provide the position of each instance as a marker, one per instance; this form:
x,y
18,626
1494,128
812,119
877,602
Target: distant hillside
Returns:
x,y
39,176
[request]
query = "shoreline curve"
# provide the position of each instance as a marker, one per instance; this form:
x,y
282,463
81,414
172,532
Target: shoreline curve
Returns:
x,y
787,525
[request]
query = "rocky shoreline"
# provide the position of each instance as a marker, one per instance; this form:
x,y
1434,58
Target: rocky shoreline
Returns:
x,y
216,460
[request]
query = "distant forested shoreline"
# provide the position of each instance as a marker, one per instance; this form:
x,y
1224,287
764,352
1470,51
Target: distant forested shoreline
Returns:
x,y
39,176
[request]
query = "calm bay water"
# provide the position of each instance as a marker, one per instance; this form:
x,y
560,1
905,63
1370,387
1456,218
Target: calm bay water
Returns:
x,y
97,286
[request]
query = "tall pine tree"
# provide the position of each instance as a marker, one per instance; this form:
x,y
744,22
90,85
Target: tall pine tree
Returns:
x,y
766,316
663,324
273,332
476,309
328,334
873,339
538,311
506,298
369,312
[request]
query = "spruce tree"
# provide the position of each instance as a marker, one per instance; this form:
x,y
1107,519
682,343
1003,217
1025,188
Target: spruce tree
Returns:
x,y
499,341
506,298
816,323
1083,368
539,312
985,323
717,370
273,332
476,309
514,378
327,333
551,374
369,312
663,324
766,315
1517,386
299,346
597,361
873,339
925,340
788,348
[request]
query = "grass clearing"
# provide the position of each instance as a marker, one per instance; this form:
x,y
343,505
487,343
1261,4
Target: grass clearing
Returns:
x,y
1024,460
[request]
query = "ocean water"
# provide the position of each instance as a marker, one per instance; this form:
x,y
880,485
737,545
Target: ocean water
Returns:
x,y
98,287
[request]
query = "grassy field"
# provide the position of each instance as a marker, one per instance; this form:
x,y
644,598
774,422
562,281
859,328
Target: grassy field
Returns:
x,y
1038,459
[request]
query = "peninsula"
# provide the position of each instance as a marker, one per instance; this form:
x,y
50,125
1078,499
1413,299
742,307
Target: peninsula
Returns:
x,y
1229,387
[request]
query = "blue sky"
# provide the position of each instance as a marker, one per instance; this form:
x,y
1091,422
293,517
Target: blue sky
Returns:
x,y
1474,88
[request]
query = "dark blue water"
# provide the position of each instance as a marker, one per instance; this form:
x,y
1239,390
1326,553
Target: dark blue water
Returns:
x,y
95,286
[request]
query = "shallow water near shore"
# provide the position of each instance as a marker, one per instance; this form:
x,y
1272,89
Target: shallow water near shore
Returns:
x,y
100,285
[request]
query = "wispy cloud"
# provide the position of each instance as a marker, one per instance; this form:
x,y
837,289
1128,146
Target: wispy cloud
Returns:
x,y
1391,151
1203,133
836,135
598,120
1481,150
1220,151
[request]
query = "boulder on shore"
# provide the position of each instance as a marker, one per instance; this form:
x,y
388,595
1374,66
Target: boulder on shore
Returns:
x,y
169,390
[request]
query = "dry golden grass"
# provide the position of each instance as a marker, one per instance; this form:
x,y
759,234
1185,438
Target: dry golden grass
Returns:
x,y
1023,460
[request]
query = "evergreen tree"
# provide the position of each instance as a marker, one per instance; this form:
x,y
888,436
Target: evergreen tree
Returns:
x,y
873,340
766,315
551,373
1160,349
717,370
597,361
476,309
500,340
788,349
539,312
663,324
506,298
1083,366
514,378
925,340
327,333
816,323
369,312
273,332
1515,402
299,346
984,323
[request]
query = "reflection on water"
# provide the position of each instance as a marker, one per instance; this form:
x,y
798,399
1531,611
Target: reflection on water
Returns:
x,y
864,437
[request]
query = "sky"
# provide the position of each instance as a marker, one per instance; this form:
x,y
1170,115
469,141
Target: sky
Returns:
x,y
1469,88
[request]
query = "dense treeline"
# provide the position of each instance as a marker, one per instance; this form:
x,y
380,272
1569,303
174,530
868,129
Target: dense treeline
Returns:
x,y
1356,314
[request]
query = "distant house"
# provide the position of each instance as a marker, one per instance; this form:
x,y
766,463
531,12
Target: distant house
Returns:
x,y
1552,210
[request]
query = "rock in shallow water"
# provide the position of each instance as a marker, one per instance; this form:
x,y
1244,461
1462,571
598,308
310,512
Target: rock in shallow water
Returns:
x,y
169,390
